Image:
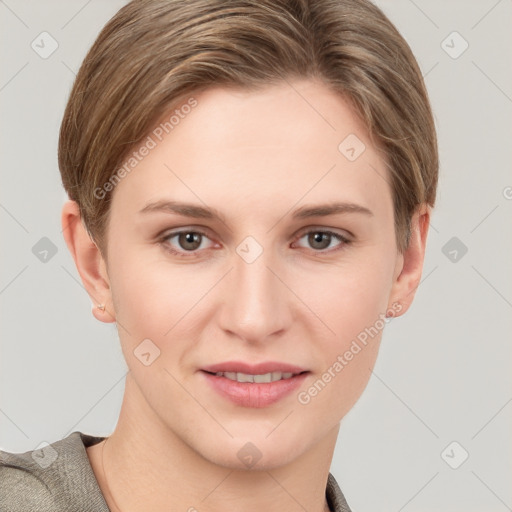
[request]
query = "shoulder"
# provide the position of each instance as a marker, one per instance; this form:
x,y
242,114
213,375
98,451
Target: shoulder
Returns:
x,y
55,477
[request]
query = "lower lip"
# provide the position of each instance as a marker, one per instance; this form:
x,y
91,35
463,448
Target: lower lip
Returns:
x,y
251,394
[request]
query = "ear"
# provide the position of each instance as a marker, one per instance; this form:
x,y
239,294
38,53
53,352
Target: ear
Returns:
x,y
88,260
409,265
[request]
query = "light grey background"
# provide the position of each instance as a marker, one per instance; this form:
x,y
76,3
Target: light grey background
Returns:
x,y
444,370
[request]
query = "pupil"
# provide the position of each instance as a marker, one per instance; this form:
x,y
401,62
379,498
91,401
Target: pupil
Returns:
x,y
190,238
319,238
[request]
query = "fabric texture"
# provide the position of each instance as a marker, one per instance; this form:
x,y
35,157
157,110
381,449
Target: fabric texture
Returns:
x,y
59,477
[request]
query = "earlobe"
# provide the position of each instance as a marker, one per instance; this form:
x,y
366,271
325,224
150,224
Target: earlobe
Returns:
x,y
411,261
89,262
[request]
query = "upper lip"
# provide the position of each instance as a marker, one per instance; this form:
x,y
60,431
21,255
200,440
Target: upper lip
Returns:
x,y
253,369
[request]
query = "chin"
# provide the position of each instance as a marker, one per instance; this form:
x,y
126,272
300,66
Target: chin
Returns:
x,y
253,453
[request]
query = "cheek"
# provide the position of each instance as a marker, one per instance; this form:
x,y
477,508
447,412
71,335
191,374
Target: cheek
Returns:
x,y
351,297
162,302
355,311
150,291
148,299
353,303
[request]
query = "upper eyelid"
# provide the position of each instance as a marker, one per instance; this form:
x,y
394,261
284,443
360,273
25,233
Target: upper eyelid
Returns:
x,y
171,234
324,229
178,231
300,233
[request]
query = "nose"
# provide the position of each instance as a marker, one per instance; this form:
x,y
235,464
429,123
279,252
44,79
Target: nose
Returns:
x,y
256,305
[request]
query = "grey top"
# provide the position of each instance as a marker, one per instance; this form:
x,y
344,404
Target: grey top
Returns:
x,y
59,477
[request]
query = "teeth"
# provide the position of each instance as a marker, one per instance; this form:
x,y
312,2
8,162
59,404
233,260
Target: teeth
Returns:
x,y
245,377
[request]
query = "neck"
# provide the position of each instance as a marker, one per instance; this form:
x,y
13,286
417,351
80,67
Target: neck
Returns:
x,y
145,466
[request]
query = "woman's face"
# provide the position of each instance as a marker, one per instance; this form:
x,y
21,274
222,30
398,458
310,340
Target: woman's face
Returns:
x,y
262,278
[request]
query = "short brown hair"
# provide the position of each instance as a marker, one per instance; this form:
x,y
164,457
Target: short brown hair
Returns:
x,y
153,53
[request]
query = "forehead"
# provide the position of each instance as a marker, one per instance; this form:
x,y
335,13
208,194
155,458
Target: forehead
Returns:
x,y
258,148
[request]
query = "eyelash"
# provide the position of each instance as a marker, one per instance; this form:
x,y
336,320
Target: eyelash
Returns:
x,y
193,254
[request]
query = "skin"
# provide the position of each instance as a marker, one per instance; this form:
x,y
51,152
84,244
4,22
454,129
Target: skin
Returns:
x,y
255,157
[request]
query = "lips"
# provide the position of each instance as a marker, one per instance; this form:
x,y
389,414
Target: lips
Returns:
x,y
254,385
253,369
254,394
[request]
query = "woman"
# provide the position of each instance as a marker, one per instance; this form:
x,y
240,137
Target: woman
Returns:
x,y
250,186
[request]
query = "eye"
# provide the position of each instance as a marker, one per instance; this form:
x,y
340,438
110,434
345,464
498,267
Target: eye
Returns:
x,y
187,241
321,239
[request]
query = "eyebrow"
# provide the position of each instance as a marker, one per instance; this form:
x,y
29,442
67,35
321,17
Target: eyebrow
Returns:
x,y
200,212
